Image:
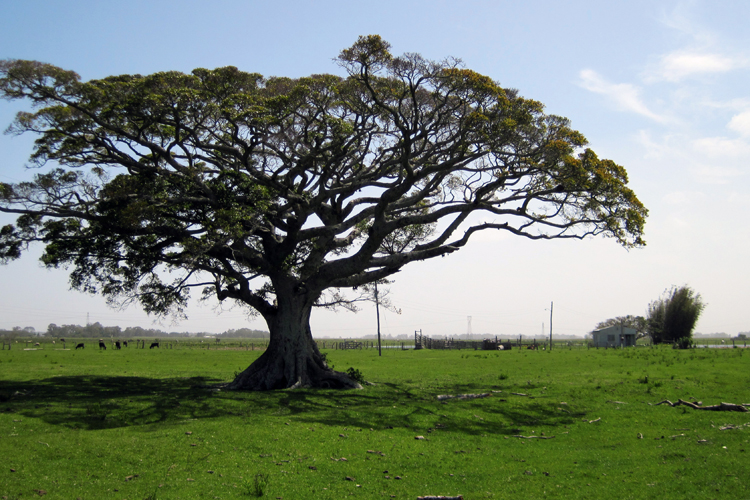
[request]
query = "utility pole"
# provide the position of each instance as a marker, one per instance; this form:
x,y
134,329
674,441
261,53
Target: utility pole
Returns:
x,y
551,305
377,313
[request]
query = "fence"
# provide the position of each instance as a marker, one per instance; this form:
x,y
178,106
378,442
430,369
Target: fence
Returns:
x,y
719,342
425,342
192,343
420,342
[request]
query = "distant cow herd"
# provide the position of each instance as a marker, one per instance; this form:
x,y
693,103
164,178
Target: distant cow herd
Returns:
x,y
119,344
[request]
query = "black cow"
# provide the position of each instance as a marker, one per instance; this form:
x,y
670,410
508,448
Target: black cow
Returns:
x,y
80,346
154,344
101,345
125,343
117,344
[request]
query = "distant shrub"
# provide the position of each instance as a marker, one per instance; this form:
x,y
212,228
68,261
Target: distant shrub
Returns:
x,y
683,343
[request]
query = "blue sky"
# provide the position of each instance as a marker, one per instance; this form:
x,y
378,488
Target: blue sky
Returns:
x,y
659,87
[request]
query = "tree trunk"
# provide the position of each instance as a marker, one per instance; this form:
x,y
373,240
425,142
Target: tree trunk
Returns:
x,y
292,359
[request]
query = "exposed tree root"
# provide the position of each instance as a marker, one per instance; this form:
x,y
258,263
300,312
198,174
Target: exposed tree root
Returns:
x,y
697,406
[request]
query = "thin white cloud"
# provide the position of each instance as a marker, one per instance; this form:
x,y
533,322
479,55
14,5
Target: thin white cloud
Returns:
x,y
739,198
655,149
678,222
740,123
681,64
712,174
721,147
704,51
709,160
681,19
683,197
730,104
625,96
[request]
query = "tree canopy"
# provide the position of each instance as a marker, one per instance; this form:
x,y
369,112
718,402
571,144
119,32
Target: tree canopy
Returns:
x,y
636,322
282,194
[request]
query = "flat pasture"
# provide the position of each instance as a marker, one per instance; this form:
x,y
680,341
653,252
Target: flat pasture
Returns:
x,y
570,423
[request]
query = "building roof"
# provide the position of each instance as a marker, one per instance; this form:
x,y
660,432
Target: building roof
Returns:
x,y
616,330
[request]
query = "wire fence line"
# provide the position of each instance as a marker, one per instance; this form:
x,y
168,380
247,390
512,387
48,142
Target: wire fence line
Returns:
x,y
420,342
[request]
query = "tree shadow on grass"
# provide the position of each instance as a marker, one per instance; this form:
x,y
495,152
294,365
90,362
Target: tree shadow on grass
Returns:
x,y
393,406
106,402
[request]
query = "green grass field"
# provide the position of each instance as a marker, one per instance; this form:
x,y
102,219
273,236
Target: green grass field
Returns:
x,y
147,424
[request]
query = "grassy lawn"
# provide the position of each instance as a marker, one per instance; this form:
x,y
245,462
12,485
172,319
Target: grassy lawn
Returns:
x,y
146,424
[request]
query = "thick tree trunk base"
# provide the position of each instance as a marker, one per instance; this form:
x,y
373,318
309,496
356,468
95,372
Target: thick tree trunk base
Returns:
x,y
273,372
292,360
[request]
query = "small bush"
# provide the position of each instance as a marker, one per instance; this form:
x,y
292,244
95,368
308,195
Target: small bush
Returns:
x,y
683,343
260,483
355,375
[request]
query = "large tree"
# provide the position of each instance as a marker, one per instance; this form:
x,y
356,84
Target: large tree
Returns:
x,y
284,194
672,318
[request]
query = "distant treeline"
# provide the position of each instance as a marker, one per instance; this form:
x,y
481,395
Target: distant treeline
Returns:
x,y
97,330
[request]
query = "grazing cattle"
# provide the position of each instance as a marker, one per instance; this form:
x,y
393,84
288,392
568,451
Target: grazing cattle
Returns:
x,y
80,346
101,345
125,343
154,344
117,345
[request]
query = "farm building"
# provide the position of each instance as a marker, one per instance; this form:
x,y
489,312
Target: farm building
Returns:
x,y
614,336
